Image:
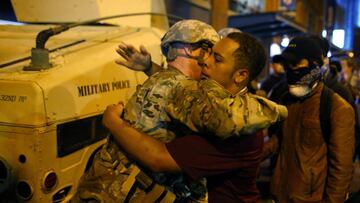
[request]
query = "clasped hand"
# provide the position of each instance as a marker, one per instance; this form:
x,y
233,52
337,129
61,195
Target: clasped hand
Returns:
x,y
112,115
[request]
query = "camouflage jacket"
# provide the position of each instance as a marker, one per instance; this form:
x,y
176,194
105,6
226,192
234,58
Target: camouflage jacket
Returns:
x,y
209,108
105,180
146,108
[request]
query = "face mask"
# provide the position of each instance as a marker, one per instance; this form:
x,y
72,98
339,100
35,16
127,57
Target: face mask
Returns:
x,y
325,69
299,90
303,76
302,81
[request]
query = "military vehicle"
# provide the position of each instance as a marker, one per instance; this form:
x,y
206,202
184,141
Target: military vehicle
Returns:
x,y
52,95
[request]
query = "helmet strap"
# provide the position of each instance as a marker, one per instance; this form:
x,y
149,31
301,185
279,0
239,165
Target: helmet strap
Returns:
x,y
200,58
172,54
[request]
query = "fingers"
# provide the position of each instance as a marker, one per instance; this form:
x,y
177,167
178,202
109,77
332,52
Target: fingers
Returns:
x,y
128,52
119,106
124,46
112,115
131,50
114,109
127,49
143,50
123,54
123,51
121,62
133,59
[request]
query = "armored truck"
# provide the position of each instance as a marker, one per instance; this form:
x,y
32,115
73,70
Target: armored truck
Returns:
x,y
50,116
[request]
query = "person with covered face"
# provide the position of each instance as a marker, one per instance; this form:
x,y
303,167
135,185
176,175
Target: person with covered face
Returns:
x,y
311,168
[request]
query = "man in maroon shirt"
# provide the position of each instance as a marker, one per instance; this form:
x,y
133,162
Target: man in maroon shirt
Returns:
x,y
230,166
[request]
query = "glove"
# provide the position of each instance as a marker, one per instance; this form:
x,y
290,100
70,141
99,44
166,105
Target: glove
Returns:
x,y
134,59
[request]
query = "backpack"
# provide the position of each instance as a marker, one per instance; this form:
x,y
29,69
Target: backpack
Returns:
x,y
325,111
325,120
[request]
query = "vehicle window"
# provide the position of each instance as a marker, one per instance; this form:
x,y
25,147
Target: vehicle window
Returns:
x,y
77,134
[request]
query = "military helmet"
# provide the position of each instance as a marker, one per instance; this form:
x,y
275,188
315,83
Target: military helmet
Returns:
x,y
188,31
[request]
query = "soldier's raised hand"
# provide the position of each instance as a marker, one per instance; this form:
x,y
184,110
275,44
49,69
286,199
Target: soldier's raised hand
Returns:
x,y
134,59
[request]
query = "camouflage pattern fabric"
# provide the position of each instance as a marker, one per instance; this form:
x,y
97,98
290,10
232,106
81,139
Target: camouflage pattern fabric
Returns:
x,y
209,108
146,112
103,183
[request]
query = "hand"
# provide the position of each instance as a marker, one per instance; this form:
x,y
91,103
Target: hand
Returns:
x,y
112,115
134,59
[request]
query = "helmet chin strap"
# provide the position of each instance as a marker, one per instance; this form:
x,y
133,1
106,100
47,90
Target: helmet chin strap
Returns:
x,y
172,54
200,58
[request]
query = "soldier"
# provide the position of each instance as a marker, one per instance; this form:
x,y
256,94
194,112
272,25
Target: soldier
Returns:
x,y
146,112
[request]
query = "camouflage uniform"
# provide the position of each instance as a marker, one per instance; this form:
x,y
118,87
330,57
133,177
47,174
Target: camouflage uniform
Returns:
x,y
144,111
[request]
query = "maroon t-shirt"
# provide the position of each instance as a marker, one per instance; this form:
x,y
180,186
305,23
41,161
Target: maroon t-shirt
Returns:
x,y
230,166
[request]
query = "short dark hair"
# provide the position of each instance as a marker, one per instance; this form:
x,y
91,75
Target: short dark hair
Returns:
x,y
250,54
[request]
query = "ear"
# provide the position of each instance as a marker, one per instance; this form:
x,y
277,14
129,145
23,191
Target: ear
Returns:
x,y
241,76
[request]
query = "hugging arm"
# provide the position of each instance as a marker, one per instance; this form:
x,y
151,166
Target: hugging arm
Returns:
x,y
174,156
147,150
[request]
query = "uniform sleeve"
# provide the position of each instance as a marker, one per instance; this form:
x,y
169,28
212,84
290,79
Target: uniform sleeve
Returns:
x,y
340,151
208,107
145,110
